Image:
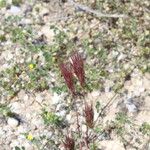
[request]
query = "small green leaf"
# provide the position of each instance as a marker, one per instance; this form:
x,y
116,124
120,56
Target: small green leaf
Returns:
x,y
98,105
17,148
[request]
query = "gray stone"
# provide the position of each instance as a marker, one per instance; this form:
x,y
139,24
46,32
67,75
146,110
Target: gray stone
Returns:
x,y
56,99
131,108
12,122
39,98
129,103
16,107
15,10
61,113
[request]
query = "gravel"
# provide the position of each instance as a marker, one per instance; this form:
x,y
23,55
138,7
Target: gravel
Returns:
x,y
113,55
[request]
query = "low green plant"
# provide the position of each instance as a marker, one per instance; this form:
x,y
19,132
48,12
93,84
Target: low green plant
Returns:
x,y
145,52
59,89
37,78
16,2
20,35
5,110
11,83
2,38
93,146
120,121
145,128
51,118
19,148
2,3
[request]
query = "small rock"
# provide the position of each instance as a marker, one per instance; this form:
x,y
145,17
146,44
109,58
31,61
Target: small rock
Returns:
x,y
28,146
107,89
73,127
44,11
21,94
147,75
131,108
49,33
68,117
84,128
127,84
29,102
16,107
121,56
13,122
26,21
130,105
96,114
26,97
14,143
126,66
61,113
115,53
15,10
2,132
95,93
9,56
55,99
146,83
39,98
28,116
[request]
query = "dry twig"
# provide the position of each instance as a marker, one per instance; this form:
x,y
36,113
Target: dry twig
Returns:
x,y
95,12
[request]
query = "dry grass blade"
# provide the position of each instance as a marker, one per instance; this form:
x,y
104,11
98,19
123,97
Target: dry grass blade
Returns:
x,y
97,13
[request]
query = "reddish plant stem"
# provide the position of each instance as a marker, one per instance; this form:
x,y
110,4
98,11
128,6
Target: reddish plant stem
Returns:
x,y
66,72
87,138
78,128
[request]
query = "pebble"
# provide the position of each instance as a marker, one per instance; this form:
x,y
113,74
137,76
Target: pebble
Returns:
x,y
14,10
68,117
12,122
14,143
84,128
2,132
44,11
107,89
61,113
9,56
16,107
131,108
146,83
121,56
26,97
95,93
28,146
56,99
39,98
49,33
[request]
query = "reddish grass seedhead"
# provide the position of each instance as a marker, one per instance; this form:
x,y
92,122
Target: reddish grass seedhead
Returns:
x,y
69,143
89,115
66,72
78,67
